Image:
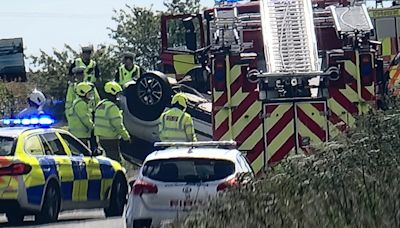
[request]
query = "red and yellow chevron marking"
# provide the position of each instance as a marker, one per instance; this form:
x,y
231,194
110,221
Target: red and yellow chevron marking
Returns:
x,y
354,99
311,122
279,128
236,115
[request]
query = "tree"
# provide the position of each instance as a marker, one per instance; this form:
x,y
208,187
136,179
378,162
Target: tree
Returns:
x,y
182,6
51,70
138,31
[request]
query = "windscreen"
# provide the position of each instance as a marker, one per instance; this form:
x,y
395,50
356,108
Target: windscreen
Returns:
x,y
188,170
6,146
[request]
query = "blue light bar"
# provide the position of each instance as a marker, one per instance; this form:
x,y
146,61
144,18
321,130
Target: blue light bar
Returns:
x,y
7,121
39,121
46,120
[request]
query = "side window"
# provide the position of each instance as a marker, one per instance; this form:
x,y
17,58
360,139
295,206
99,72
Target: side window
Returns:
x,y
52,144
75,146
33,145
183,34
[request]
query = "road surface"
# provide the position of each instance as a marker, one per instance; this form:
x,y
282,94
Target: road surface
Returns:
x,y
75,219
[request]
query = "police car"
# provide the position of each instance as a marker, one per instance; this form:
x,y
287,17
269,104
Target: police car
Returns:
x,y
44,170
180,178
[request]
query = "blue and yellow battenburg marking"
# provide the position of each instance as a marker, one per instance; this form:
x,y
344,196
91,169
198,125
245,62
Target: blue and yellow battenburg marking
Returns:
x,y
80,178
91,181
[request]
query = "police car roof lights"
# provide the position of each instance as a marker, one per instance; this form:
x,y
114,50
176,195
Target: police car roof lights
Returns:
x,y
42,121
216,144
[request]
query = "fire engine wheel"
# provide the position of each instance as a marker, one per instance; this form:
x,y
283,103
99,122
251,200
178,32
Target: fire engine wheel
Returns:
x,y
149,97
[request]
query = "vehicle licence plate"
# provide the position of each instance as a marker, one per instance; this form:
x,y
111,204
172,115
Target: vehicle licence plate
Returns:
x,y
187,203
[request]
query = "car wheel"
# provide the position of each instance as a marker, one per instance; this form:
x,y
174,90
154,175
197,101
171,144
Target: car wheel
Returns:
x,y
15,218
148,98
51,205
119,190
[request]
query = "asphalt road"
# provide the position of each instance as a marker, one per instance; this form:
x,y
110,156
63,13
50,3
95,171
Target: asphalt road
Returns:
x,y
76,219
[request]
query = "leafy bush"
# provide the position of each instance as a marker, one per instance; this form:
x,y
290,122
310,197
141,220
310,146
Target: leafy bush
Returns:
x,y
350,182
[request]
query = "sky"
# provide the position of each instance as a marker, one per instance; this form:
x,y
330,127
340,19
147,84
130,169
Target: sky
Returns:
x,y
48,24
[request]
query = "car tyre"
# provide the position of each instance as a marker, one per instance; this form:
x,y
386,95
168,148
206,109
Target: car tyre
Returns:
x,y
51,205
148,98
119,191
15,218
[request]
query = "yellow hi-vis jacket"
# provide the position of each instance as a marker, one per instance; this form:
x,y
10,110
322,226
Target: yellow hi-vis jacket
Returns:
x,y
88,73
126,75
71,96
80,118
176,126
108,121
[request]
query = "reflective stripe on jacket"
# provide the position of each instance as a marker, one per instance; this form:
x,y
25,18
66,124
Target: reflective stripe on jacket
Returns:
x,y
88,73
176,126
126,75
108,121
80,118
71,96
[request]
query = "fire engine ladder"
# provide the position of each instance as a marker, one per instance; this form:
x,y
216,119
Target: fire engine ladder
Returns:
x,y
289,38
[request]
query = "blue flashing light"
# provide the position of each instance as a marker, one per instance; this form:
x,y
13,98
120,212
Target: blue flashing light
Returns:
x,y
26,121
7,121
46,120
39,121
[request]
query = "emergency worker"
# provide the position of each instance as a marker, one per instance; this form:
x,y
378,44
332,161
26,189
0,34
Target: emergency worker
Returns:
x,y
80,116
35,100
108,122
176,124
78,74
127,71
91,71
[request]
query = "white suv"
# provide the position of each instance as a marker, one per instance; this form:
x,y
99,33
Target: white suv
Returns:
x,y
180,178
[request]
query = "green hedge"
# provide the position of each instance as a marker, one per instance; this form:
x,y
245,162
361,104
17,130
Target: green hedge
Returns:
x,y
352,181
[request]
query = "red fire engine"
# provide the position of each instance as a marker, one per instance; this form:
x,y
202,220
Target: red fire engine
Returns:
x,y
281,74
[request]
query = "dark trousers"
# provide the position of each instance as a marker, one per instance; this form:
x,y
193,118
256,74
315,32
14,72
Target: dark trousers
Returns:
x,y
111,147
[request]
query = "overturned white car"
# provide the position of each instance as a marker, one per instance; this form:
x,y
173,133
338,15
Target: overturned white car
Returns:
x,y
144,101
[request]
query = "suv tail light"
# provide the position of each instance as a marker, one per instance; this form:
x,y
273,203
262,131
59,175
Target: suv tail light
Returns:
x,y
227,184
142,187
15,169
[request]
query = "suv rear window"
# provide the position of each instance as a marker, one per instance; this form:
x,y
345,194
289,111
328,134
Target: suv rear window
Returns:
x,y
7,146
188,170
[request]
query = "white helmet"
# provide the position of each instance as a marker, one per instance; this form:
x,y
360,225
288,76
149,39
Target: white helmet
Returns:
x,y
37,97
